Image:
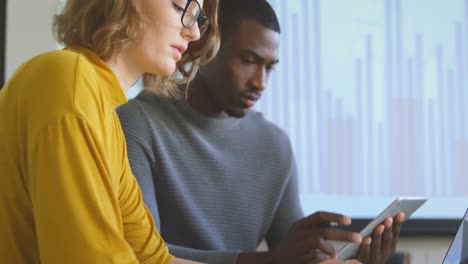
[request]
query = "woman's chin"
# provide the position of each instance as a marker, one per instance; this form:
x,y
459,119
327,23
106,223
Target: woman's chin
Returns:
x,y
165,70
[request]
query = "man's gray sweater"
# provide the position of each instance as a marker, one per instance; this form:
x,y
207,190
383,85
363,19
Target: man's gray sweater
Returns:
x,y
216,187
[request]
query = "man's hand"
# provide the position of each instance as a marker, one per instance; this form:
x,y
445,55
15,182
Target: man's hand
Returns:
x,y
341,262
378,248
306,241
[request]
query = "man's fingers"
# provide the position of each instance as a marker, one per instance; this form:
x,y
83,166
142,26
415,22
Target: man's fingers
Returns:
x,y
315,256
318,222
388,222
364,254
324,217
327,248
387,242
353,261
398,221
400,217
376,244
337,234
311,241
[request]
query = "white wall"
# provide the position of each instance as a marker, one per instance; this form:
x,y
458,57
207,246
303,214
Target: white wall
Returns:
x,y
29,31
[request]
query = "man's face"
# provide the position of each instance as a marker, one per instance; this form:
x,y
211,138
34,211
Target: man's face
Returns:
x,y
238,75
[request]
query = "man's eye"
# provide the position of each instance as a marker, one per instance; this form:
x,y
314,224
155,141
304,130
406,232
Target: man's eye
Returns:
x,y
247,60
177,7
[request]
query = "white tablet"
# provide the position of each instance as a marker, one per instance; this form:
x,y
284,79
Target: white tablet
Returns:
x,y
407,205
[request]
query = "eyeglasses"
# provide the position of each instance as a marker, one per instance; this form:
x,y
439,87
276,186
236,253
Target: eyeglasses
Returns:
x,y
193,13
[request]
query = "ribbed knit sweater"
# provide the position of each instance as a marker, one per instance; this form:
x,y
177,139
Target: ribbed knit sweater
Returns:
x,y
216,187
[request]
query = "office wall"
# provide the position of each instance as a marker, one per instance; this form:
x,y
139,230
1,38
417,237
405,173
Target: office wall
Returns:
x,y
2,41
29,31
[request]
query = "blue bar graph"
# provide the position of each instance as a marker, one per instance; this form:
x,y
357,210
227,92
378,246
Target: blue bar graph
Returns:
x,y
375,102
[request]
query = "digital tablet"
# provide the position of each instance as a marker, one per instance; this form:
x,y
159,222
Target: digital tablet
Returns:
x,y
407,205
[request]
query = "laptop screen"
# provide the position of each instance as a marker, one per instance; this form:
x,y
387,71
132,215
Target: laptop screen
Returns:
x,y
458,250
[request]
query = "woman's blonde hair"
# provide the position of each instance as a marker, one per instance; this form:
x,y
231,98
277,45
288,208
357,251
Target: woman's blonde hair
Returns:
x,y
110,26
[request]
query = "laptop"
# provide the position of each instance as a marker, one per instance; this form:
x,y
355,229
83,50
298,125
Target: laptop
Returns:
x,y
458,250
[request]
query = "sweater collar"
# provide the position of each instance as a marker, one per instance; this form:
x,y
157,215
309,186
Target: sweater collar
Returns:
x,y
180,106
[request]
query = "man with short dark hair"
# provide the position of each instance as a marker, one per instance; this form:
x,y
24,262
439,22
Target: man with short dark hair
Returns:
x,y
217,176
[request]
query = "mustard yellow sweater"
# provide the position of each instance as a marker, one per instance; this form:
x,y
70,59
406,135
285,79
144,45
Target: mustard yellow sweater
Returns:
x,y
67,193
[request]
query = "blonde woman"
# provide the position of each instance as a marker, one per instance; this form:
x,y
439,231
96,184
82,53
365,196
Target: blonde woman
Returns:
x,y
67,194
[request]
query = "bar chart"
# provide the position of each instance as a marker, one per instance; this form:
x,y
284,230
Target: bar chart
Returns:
x,y
373,95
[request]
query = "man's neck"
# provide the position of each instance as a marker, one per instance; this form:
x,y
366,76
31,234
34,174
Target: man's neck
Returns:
x,y
200,99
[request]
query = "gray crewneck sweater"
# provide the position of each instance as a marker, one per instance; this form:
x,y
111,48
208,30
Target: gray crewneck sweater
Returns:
x,y
216,187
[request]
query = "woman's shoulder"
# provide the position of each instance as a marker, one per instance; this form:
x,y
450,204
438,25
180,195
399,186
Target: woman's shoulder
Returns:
x,y
68,59
45,74
66,81
51,67
64,59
